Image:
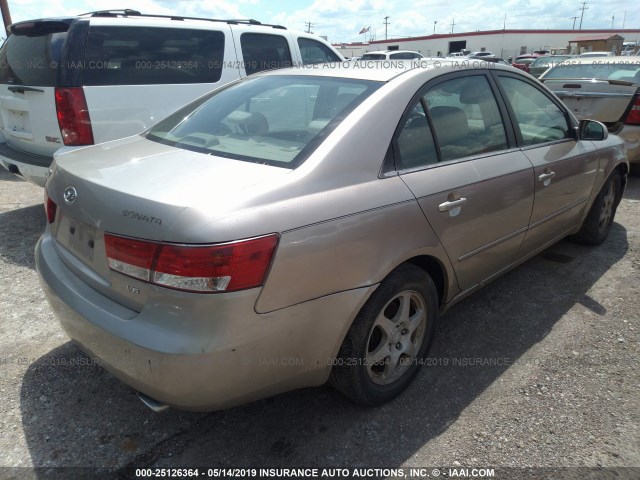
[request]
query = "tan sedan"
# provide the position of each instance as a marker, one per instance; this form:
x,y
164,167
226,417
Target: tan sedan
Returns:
x,y
308,225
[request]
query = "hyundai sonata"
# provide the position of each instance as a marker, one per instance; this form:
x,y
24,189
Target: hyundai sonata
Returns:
x,y
309,225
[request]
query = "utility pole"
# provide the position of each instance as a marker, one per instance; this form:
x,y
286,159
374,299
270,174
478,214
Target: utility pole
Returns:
x,y
574,22
386,24
583,8
6,16
309,25
453,24
434,27
504,24
612,17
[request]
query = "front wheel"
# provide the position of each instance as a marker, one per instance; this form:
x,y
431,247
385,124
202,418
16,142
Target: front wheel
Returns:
x,y
391,335
597,224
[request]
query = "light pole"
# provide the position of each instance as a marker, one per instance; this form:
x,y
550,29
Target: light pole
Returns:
x,y
434,27
386,24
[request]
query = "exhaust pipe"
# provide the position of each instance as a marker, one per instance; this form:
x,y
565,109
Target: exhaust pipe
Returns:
x,y
151,403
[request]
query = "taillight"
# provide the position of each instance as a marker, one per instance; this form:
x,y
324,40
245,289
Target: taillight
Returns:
x,y
193,268
50,208
73,116
633,117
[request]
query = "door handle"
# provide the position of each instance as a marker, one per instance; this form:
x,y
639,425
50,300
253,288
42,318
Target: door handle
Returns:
x,y
546,176
446,206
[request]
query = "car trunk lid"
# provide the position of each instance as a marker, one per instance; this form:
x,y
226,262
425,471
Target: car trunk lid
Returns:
x,y
138,188
607,101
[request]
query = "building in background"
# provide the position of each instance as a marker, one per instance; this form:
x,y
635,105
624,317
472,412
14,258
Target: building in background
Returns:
x,y
503,43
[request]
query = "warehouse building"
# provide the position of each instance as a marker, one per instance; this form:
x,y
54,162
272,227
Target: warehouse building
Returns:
x,y
503,43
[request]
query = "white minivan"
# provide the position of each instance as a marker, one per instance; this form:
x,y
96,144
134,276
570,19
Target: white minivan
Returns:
x,y
105,75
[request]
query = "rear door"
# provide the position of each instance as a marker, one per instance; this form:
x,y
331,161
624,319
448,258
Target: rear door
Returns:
x,y
474,187
30,62
135,73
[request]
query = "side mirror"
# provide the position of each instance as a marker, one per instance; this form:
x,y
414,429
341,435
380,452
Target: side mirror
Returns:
x,y
592,130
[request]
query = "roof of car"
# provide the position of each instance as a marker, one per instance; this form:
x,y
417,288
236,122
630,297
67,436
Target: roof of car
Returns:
x,y
364,71
151,18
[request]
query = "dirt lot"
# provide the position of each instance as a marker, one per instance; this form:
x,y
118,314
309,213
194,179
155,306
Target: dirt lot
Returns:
x,y
539,369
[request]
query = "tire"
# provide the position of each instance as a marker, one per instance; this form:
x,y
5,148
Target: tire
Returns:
x,y
634,169
383,349
597,223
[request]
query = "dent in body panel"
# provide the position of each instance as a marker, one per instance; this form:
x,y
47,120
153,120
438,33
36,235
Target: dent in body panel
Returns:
x,y
487,232
347,253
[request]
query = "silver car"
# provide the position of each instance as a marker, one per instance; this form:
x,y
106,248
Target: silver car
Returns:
x,y
605,89
304,226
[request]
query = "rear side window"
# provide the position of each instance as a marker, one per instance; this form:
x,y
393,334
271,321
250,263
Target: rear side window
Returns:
x,y
404,56
264,52
31,59
149,55
315,52
373,56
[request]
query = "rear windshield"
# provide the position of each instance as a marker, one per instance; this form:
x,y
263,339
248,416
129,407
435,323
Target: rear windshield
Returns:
x,y
275,120
31,59
150,55
624,70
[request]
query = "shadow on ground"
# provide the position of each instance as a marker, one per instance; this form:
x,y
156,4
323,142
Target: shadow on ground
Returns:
x,y
20,230
76,414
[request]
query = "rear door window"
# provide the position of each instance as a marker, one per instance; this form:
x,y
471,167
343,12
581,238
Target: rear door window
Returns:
x,y
466,118
315,52
150,55
264,52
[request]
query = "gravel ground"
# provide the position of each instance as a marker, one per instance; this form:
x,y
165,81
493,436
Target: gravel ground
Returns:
x,y
539,369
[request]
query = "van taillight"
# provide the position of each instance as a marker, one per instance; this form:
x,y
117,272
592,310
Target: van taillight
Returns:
x,y
50,208
73,116
633,117
221,267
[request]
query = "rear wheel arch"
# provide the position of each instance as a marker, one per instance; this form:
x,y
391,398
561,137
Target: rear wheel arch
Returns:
x,y
436,270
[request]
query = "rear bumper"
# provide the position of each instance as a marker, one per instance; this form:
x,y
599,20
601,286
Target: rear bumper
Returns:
x,y
631,136
33,168
201,352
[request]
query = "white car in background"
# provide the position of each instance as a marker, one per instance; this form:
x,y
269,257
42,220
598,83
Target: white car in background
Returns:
x,y
391,55
111,74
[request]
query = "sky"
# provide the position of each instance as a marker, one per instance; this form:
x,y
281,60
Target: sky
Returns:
x,y
342,20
